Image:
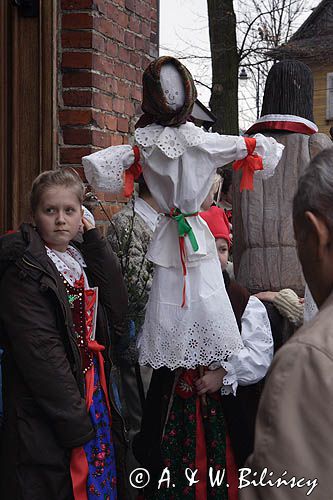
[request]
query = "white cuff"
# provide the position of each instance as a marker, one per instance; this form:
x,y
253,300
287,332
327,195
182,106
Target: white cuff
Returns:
x,y
230,382
104,169
271,151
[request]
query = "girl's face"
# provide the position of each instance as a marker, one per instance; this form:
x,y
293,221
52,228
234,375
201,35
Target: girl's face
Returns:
x,y
58,217
222,252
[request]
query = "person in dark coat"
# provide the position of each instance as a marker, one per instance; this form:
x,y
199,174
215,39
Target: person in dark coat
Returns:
x,y
46,415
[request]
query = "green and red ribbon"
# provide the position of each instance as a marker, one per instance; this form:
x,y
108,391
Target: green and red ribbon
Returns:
x,y
184,229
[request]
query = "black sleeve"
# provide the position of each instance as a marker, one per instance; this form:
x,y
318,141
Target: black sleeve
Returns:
x,y
104,267
29,321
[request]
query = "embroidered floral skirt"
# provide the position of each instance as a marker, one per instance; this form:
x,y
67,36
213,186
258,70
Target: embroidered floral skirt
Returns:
x,y
195,439
101,481
93,466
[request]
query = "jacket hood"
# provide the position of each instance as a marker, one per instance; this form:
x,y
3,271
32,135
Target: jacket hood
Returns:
x,y
12,248
26,241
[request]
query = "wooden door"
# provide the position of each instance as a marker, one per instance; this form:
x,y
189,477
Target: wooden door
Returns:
x,y
27,102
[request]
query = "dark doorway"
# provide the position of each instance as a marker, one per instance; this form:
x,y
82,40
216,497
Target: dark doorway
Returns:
x,y
27,102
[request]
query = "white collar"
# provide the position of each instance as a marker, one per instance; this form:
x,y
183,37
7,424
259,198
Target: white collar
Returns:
x,y
287,118
172,141
146,212
70,263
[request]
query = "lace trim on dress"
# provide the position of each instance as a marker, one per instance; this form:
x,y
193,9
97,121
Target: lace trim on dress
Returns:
x,y
104,169
172,141
200,343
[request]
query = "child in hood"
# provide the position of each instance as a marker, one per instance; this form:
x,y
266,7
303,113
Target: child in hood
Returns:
x,y
249,366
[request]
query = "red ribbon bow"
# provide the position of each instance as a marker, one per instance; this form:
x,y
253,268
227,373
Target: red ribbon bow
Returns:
x,y
249,164
132,173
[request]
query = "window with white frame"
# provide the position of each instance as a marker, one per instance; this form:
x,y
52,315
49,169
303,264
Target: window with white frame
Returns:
x,y
329,106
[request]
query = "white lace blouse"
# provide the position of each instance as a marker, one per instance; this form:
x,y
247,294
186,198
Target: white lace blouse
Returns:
x,y
251,363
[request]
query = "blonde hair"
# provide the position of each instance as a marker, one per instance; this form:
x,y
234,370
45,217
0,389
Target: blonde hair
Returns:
x,y
60,177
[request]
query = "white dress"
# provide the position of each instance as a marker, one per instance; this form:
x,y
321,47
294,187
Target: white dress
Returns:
x,y
178,166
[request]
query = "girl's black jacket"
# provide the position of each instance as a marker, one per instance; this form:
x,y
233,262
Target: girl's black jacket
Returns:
x,y
45,412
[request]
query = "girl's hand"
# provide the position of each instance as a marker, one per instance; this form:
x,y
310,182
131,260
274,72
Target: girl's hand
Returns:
x,y
211,382
87,225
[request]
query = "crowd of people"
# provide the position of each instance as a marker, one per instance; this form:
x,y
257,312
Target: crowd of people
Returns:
x,y
140,350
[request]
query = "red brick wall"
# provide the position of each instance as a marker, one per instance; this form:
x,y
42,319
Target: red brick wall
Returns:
x,y
103,48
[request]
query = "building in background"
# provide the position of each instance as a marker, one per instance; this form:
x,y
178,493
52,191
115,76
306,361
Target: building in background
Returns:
x,y
70,83
313,44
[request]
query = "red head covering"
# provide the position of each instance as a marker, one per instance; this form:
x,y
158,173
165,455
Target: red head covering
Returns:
x,y
217,222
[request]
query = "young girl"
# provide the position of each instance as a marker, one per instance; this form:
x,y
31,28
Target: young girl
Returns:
x,y
57,442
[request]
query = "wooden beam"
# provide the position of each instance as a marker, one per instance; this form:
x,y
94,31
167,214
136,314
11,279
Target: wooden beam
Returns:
x,y
4,150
